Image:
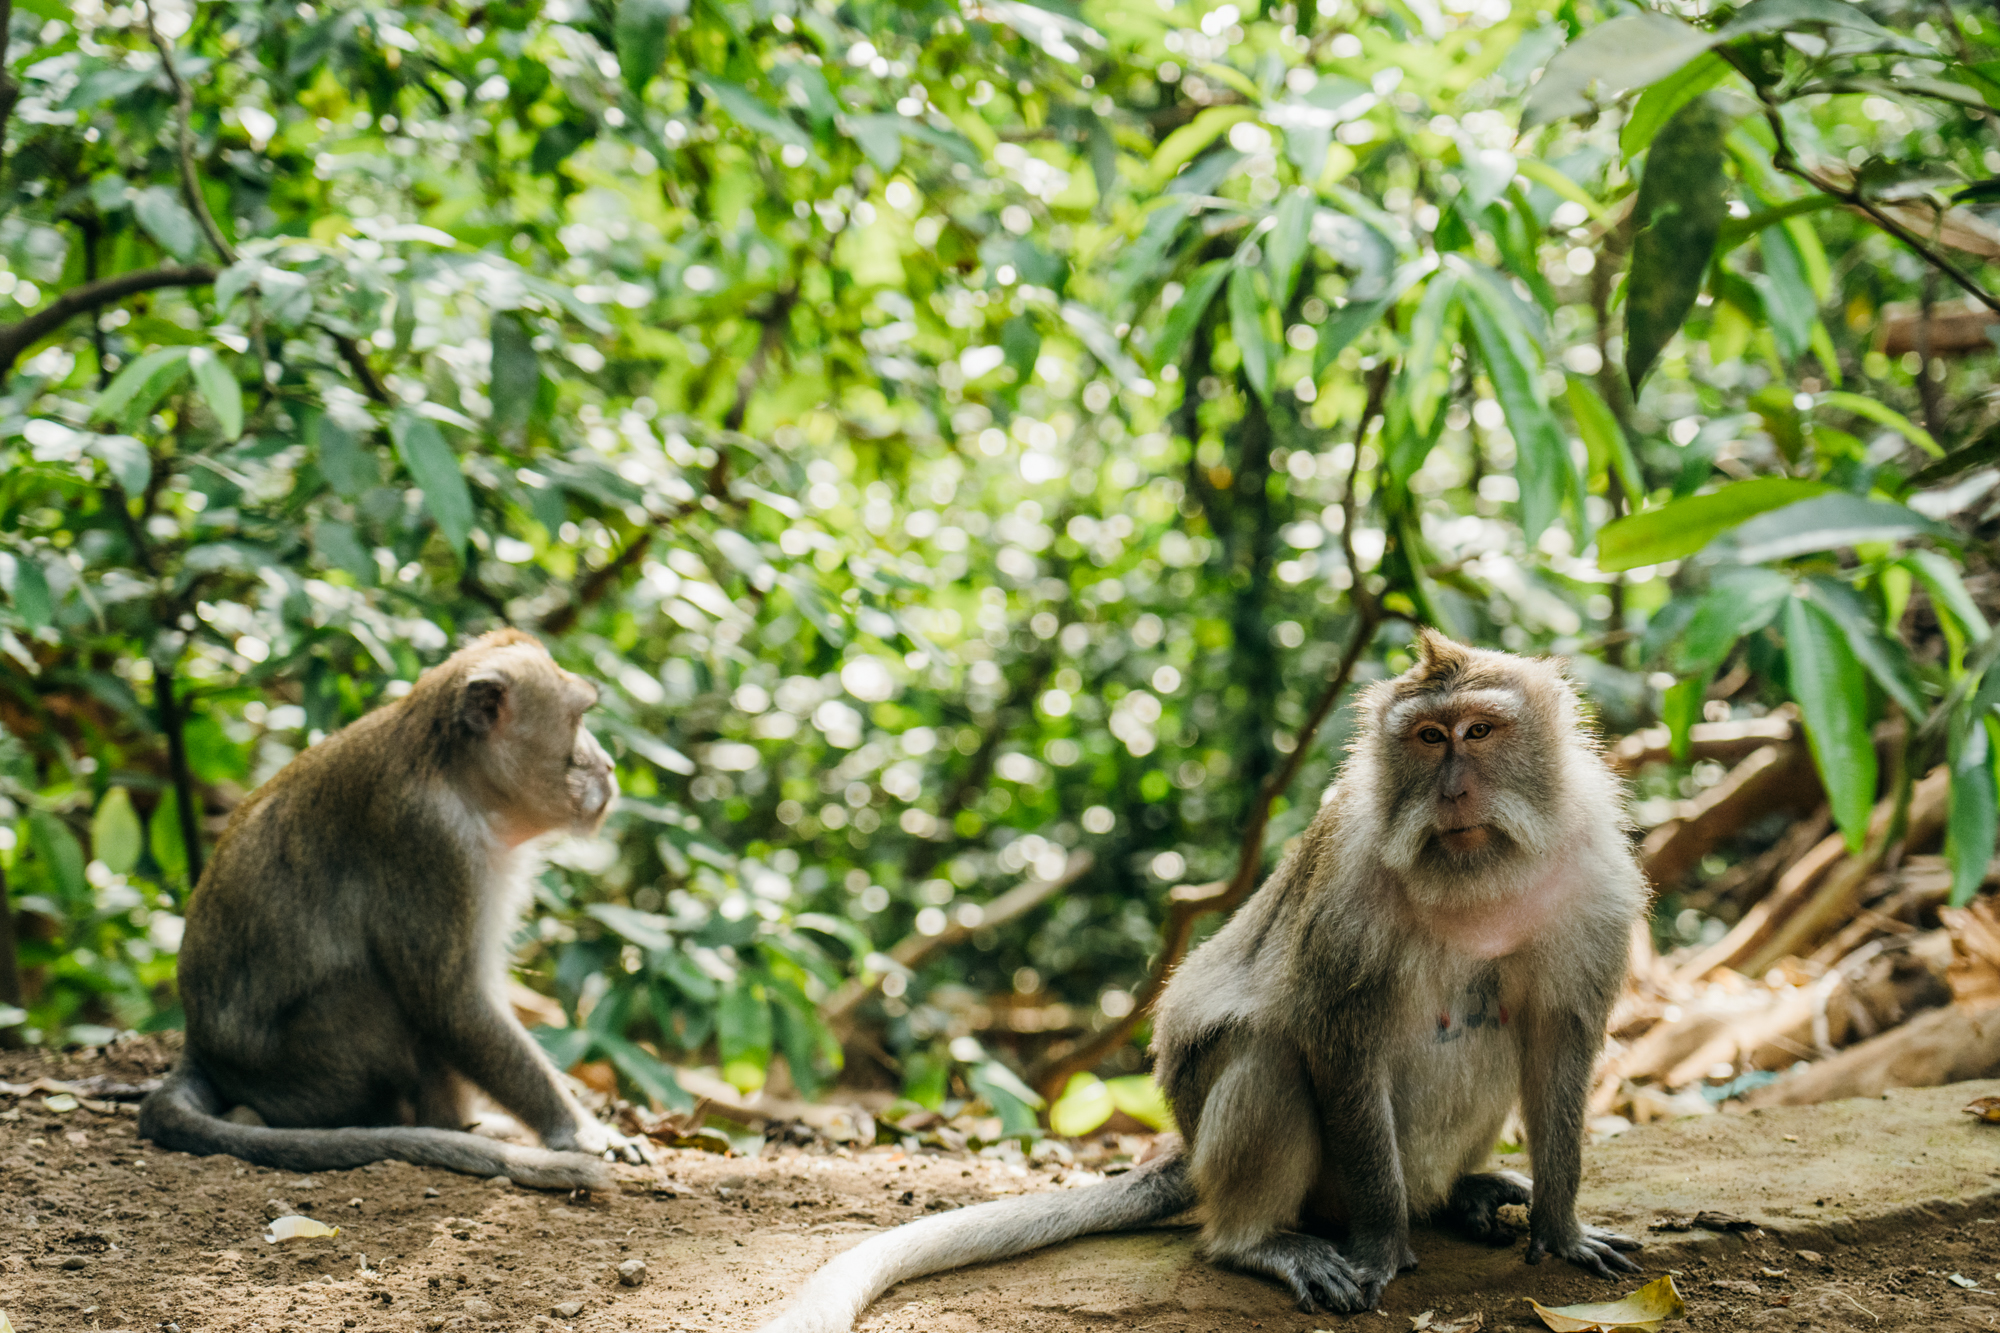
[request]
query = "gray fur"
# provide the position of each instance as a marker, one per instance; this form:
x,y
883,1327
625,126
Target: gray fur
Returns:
x,y
344,967
1448,935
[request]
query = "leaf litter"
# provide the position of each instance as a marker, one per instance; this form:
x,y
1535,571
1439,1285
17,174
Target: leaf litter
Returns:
x,y
1642,1311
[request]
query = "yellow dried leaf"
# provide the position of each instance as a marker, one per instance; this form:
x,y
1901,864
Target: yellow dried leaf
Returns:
x,y
5,1327
59,1103
298,1228
1643,1311
1986,1108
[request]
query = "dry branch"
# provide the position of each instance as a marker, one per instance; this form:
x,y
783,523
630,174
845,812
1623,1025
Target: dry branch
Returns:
x,y
1956,328
1946,1045
912,951
1726,742
1773,777
1820,890
18,337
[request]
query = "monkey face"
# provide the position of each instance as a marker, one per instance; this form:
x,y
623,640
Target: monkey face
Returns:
x,y
535,762
1472,760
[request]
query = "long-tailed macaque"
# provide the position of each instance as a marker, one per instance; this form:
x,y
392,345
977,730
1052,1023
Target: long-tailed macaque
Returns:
x,y
1447,936
344,968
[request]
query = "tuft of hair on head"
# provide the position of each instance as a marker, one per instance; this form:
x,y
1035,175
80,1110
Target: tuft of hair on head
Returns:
x,y
1437,656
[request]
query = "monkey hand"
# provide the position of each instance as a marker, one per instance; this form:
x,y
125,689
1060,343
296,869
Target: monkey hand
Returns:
x,y
1591,1248
601,1140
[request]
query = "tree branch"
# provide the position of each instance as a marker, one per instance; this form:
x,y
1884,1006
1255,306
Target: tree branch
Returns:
x,y
773,322
598,583
1190,902
177,764
10,91
190,182
1786,160
18,337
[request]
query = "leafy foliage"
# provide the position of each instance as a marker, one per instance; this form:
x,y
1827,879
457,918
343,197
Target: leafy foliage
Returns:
x,y
956,436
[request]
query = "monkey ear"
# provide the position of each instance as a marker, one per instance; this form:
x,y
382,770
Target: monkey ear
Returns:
x,y
480,706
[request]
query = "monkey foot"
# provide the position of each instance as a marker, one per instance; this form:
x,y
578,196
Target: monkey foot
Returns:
x,y
1475,1204
1322,1278
1593,1249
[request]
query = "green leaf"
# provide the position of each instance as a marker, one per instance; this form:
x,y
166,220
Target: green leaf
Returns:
x,y
743,1034
1829,523
1739,602
219,390
1543,467
435,469
61,853
880,138
1762,16
1831,688
1358,316
1628,52
653,1079
1138,1096
1604,438
130,465
163,838
1787,294
1186,315
648,930
1246,323
167,221
115,835
516,372
1425,387
1180,147
1681,527
1014,1101
1661,102
1679,213
1882,415
1886,659
1950,598
749,111
140,384
1285,249
30,591
640,32
1680,709
1973,827
1084,1105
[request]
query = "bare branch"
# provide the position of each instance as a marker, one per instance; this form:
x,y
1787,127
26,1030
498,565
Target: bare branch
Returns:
x,y
19,337
190,182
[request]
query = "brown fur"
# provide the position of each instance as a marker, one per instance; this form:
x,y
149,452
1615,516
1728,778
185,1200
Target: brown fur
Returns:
x,y
343,970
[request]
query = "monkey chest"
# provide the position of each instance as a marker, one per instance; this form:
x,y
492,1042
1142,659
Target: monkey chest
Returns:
x,y
1458,1040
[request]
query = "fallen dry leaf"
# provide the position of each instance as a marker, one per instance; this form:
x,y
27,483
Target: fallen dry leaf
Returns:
x,y
1643,1311
5,1327
59,1103
1986,1108
1432,1322
298,1228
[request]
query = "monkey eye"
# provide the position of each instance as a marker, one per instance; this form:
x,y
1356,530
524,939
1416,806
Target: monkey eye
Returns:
x,y
1479,731
1431,736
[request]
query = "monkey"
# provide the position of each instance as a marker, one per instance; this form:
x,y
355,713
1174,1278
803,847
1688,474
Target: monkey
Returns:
x,y
343,968
1449,933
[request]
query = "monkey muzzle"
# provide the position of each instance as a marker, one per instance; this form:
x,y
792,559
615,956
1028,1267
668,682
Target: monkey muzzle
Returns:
x,y
1469,838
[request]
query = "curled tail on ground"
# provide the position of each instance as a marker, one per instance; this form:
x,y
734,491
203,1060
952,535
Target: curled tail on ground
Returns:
x,y
836,1295
186,1116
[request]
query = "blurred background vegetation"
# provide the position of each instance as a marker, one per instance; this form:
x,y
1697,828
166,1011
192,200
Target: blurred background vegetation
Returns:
x,y
975,445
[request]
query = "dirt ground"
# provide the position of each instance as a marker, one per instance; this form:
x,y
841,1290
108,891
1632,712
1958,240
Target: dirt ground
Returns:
x,y
100,1231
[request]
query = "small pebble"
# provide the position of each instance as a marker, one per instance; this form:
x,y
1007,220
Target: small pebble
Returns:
x,y
354,1203
566,1309
1810,1256
501,1181
277,1208
632,1273
431,1192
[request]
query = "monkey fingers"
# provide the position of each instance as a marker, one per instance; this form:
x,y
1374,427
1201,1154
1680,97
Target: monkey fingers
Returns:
x,y
1320,1276
1588,1252
1616,1240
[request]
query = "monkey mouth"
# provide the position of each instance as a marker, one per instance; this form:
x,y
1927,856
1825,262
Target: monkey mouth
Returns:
x,y
1468,838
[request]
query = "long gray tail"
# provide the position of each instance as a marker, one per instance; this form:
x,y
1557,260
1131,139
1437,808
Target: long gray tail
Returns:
x,y
835,1296
186,1116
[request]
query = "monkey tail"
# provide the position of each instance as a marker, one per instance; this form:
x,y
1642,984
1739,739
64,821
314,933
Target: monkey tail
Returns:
x,y
836,1295
186,1115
